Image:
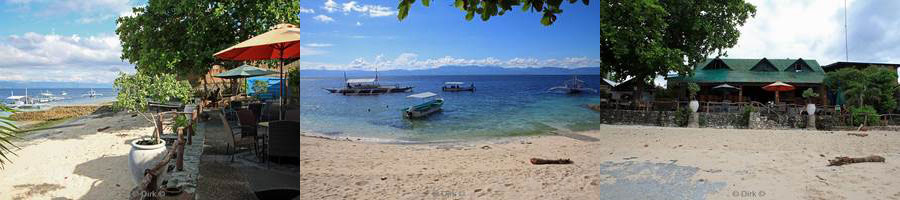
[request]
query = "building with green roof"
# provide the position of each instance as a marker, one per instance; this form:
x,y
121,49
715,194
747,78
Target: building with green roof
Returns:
x,y
750,75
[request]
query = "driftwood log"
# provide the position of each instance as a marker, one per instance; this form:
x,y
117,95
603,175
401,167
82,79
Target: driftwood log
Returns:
x,y
858,134
538,161
838,161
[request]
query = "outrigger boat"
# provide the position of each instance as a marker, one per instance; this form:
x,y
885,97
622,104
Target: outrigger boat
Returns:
x,y
22,102
92,94
48,97
367,86
424,109
457,86
573,86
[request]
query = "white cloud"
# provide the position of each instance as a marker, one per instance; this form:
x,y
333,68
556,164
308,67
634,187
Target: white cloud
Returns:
x,y
330,6
323,18
365,9
56,58
308,51
307,10
319,45
410,61
358,23
796,29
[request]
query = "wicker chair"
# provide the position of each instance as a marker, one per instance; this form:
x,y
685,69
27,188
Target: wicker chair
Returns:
x,y
292,115
284,139
236,141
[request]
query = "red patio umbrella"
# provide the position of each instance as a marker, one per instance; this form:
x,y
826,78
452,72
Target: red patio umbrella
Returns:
x,y
282,42
777,87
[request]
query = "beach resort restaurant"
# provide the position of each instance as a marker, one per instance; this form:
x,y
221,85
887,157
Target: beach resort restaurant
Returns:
x,y
742,80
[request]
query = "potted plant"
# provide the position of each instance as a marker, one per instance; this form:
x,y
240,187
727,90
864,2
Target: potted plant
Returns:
x,y
808,94
135,93
693,88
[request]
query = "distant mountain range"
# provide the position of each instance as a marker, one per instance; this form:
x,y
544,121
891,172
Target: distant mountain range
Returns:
x,y
23,84
456,70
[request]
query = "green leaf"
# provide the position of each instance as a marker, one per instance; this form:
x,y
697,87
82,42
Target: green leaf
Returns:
x,y
425,2
459,4
470,15
548,19
402,12
585,2
538,5
526,6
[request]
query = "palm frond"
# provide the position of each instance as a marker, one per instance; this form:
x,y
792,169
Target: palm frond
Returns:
x,y
7,130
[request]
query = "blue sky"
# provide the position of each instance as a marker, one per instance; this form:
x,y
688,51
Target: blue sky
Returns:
x,y
339,34
74,40
61,40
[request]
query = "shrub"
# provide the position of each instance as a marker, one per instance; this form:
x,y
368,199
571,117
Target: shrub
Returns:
x,y
745,116
865,114
693,88
136,91
808,94
682,116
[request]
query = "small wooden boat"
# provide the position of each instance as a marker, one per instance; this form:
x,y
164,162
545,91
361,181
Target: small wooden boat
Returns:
x,y
573,86
423,109
457,86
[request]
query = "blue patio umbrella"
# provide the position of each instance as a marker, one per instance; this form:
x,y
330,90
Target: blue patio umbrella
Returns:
x,y
244,71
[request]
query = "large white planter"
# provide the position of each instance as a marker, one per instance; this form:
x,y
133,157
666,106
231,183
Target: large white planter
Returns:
x,y
142,157
694,105
811,109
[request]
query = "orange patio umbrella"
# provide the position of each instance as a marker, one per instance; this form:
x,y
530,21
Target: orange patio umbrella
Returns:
x,y
282,42
777,87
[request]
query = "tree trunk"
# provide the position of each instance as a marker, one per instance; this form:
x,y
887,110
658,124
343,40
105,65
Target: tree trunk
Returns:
x,y
638,91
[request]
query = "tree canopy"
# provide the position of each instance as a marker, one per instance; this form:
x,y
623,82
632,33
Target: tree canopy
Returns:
x,y
181,36
875,86
489,8
645,38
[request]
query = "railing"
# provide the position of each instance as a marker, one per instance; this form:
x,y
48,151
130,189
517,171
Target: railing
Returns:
x,y
151,176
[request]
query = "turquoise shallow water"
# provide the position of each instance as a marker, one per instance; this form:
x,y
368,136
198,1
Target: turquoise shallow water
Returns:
x,y
502,106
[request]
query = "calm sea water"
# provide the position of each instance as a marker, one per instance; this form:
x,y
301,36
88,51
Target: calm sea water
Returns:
x,y
73,97
501,106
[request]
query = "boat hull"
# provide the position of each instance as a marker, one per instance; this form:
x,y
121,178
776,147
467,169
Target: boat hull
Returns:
x,y
423,110
368,91
461,89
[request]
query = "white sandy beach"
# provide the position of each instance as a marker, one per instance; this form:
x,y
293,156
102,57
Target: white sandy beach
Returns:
x,y
625,162
75,161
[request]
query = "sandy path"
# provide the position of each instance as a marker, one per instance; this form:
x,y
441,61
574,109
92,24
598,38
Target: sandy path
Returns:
x,y
75,161
626,162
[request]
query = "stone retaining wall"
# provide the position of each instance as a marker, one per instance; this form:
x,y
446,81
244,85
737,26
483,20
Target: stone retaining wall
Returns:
x,y
667,118
713,119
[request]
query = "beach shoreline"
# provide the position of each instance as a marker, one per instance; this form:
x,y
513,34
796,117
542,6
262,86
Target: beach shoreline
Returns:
x,y
82,158
620,162
30,120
